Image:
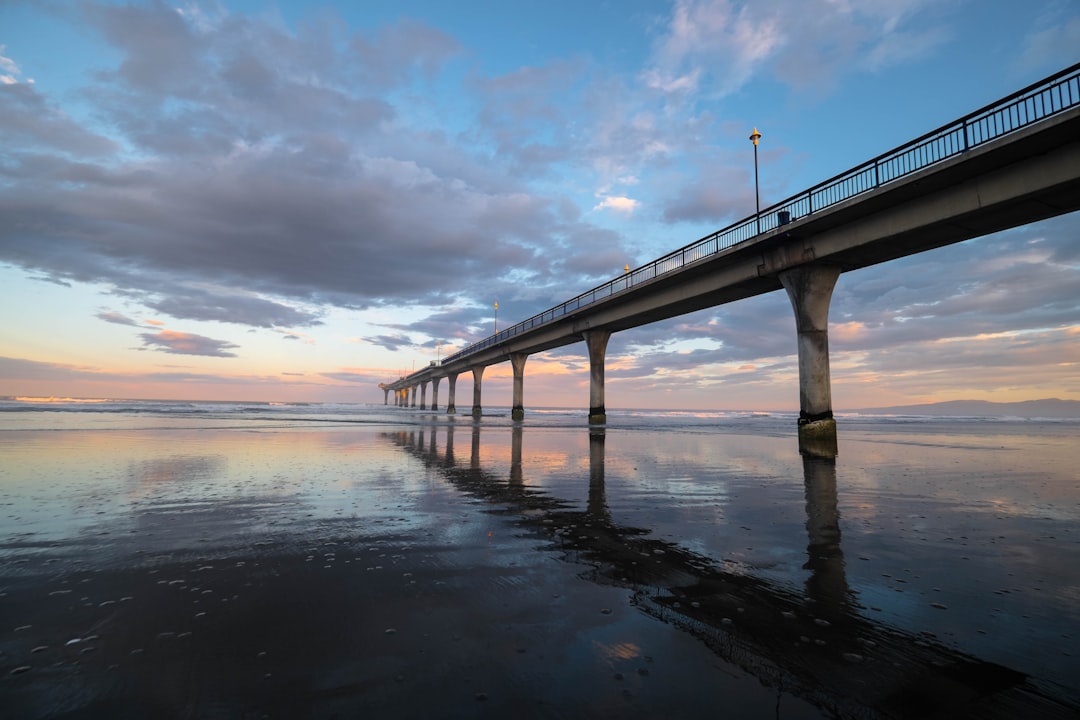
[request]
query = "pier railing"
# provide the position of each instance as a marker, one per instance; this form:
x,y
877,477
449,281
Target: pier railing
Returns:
x,y
1039,101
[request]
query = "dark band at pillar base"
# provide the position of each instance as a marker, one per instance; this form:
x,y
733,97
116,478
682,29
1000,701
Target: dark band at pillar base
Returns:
x,y
597,415
477,411
517,413
817,438
805,417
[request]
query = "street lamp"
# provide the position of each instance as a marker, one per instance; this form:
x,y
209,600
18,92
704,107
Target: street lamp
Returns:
x,y
496,317
438,350
754,137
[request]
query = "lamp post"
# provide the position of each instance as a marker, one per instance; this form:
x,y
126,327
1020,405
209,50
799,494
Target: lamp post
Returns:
x,y
438,352
754,137
496,317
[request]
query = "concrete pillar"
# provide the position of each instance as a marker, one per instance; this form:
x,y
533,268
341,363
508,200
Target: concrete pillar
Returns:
x,y
435,393
452,380
597,341
810,288
478,376
423,395
413,396
386,396
517,360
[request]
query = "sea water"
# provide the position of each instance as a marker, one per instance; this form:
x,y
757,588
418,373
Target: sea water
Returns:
x,y
411,562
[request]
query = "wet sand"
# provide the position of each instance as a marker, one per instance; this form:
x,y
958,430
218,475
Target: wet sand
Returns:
x,y
454,569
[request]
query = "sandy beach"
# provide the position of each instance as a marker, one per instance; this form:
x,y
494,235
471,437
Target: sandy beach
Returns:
x,y
436,567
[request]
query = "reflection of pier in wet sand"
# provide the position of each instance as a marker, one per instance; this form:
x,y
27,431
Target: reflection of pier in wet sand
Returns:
x,y
816,644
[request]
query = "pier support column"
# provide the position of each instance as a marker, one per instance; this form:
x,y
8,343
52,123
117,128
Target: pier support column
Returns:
x,y
413,396
517,360
596,341
423,396
810,288
386,396
478,376
435,394
452,380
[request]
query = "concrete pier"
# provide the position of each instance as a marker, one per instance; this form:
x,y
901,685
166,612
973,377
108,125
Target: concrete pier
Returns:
x,y
435,393
1015,175
517,360
597,341
423,395
810,288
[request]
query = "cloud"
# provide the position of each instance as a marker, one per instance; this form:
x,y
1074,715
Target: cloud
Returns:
x,y
618,204
181,343
9,70
716,47
390,342
224,167
266,181
115,317
28,120
717,39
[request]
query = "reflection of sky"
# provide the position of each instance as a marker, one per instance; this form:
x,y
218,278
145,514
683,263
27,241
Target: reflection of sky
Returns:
x,y
963,533
983,524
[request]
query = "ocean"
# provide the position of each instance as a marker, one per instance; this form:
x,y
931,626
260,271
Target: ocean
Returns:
x,y
214,559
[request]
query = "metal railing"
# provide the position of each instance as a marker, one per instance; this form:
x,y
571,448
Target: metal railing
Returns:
x,y
1039,101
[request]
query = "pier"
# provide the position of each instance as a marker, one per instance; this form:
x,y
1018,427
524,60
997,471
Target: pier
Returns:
x,y
1008,164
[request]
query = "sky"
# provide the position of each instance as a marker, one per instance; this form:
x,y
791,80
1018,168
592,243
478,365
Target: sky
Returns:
x,y
296,201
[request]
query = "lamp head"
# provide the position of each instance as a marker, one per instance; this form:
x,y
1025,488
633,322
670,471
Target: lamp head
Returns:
x,y
755,136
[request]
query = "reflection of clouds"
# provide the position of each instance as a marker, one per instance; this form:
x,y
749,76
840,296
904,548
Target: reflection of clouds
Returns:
x,y
178,468
819,640
617,651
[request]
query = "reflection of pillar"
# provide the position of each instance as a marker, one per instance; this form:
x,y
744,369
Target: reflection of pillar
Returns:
x,y
517,360
435,393
449,460
596,341
827,584
433,448
810,287
516,476
423,395
597,503
452,380
474,456
478,376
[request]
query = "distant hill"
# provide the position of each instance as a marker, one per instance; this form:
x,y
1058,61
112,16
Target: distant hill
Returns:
x,y
1047,408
